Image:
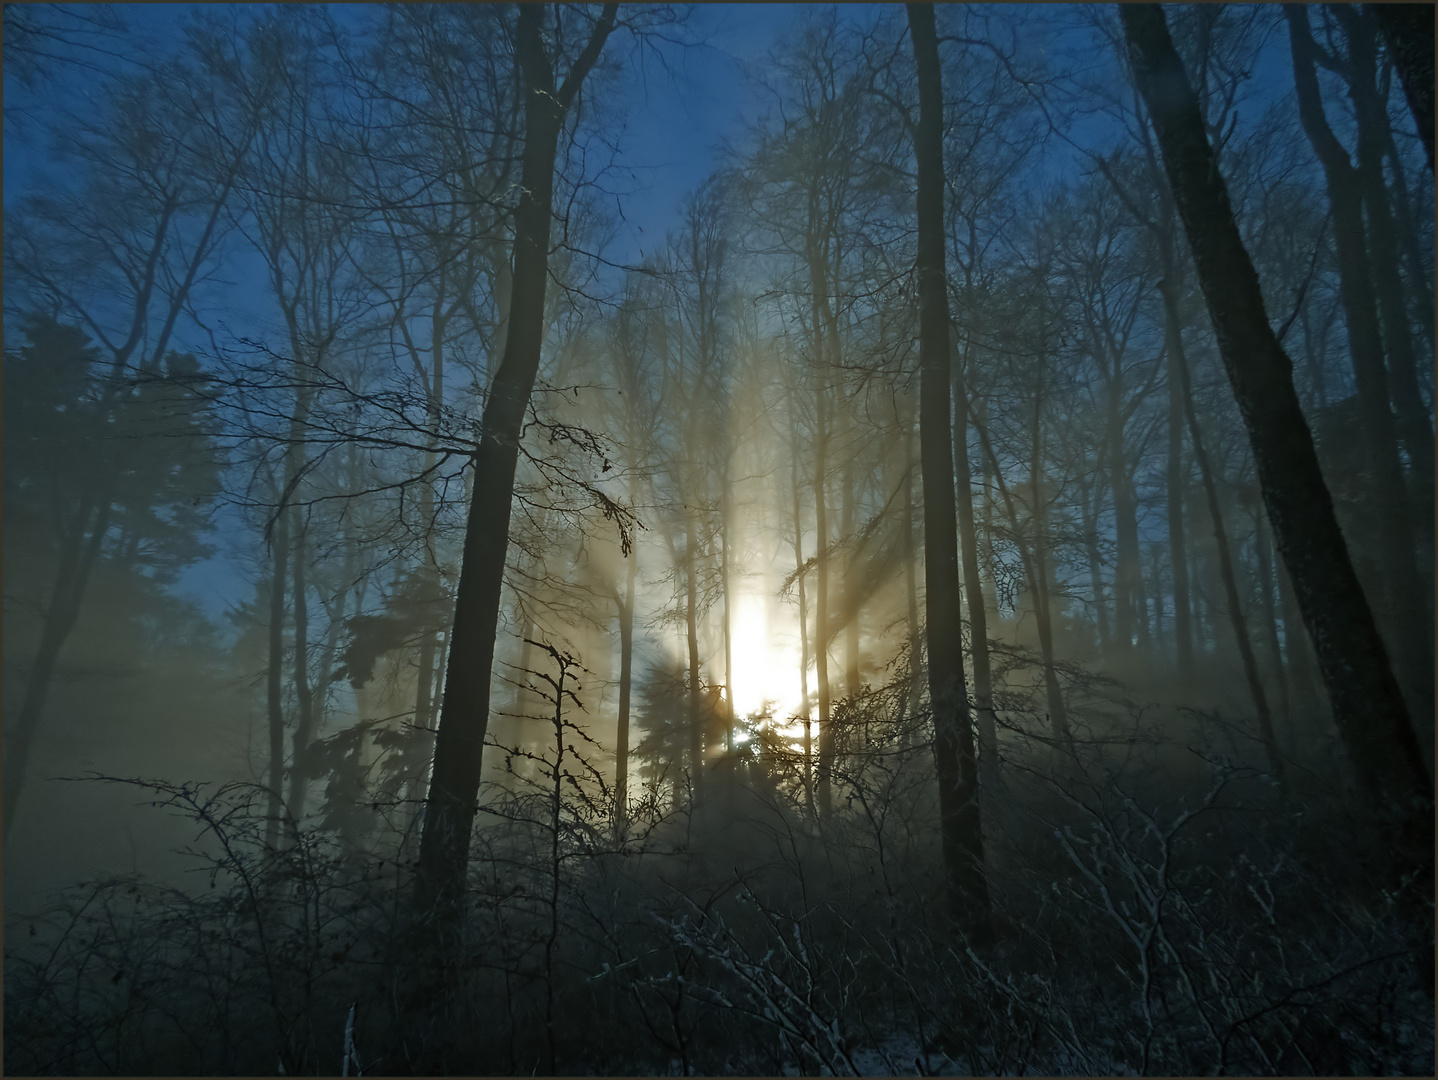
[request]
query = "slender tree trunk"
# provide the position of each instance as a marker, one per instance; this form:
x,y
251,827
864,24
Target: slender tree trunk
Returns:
x,y
691,629
1261,545
1177,538
1411,627
821,586
308,722
523,696
1415,655
850,589
1128,577
1230,581
1297,650
1090,499
626,669
1039,567
77,559
973,587
464,715
954,750
911,573
1373,134
804,706
1058,713
1420,271
430,578
274,681
1367,704
728,613
1408,29
978,416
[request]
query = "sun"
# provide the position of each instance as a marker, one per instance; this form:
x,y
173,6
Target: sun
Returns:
x,y
766,661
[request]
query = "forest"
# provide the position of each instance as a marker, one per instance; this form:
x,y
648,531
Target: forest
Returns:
x,y
642,539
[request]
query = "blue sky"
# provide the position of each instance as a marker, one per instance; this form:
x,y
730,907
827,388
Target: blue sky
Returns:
x,y
675,129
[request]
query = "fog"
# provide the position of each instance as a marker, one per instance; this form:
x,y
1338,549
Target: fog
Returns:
x,y
719,539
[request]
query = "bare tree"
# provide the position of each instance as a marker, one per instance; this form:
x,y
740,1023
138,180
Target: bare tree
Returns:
x,y
464,714
954,746
1367,703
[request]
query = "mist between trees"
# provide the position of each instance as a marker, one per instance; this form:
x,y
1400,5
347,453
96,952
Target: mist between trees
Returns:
x,y
954,596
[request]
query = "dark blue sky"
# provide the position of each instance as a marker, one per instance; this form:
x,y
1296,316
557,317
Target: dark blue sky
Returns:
x,y
675,127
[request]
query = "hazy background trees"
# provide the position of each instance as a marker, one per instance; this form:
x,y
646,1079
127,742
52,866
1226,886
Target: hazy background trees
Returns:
x,y
320,317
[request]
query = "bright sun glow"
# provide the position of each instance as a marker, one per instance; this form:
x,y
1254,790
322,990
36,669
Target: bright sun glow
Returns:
x,y
766,663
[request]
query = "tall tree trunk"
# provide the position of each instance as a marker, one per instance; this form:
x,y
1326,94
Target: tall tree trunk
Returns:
x,y
1367,704
1373,135
1297,652
1420,271
464,715
1039,566
1408,29
430,578
523,696
306,726
821,583
1230,580
1415,656
274,679
978,417
1090,497
691,630
1177,538
626,669
1033,572
1411,628
973,587
804,705
954,750
1128,576
911,574
850,589
728,612
1262,546
77,558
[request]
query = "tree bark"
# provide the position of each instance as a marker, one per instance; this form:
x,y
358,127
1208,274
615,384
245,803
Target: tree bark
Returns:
x,y
850,590
911,575
1090,499
1128,575
821,570
954,750
306,726
464,714
1177,538
973,586
1367,703
691,630
1039,566
626,669
1262,546
804,705
728,611
274,679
